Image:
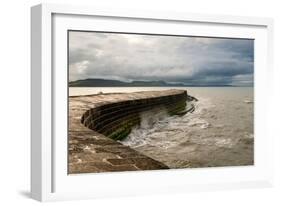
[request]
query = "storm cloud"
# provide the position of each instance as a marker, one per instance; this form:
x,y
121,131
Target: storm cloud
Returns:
x,y
190,60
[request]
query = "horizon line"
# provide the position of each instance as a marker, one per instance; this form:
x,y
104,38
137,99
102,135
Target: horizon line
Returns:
x,y
176,84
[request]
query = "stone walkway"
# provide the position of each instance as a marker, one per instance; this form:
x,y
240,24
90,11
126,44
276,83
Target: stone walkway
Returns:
x,y
89,152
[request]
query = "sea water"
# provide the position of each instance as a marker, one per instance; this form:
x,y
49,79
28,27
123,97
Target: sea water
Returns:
x,y
220,132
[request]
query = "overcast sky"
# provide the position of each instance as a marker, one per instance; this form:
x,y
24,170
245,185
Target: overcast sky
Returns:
x,y
190,60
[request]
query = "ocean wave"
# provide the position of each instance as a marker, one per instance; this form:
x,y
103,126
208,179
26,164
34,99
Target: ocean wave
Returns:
x,y
247,101
160,130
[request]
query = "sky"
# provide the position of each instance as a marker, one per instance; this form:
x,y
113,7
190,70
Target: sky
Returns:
x,y
175,59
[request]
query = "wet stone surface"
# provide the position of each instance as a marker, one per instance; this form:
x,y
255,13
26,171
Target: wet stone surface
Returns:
x,y
97,153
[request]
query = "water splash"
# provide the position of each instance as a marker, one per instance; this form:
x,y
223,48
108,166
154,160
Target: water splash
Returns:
x,y
160,130
151,122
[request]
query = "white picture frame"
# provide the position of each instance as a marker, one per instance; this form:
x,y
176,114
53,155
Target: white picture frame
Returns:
x,y
49,179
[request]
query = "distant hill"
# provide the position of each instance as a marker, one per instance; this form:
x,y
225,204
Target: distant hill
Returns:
x,y
116,83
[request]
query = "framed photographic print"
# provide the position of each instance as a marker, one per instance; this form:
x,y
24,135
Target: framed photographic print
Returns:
x,y
134,102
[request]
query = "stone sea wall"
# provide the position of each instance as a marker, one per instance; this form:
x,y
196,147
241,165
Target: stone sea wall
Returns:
x,y
116,120
96,121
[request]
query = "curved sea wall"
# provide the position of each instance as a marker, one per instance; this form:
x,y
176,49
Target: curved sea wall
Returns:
x,y
115,120
96,121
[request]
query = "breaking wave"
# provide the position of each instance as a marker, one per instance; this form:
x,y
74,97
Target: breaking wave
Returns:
x,y
159,129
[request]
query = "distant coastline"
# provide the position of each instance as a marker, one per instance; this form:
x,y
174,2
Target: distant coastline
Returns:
x,y
118,83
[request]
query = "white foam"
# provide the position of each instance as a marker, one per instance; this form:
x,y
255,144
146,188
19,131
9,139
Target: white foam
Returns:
x,y
248,101
163,131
